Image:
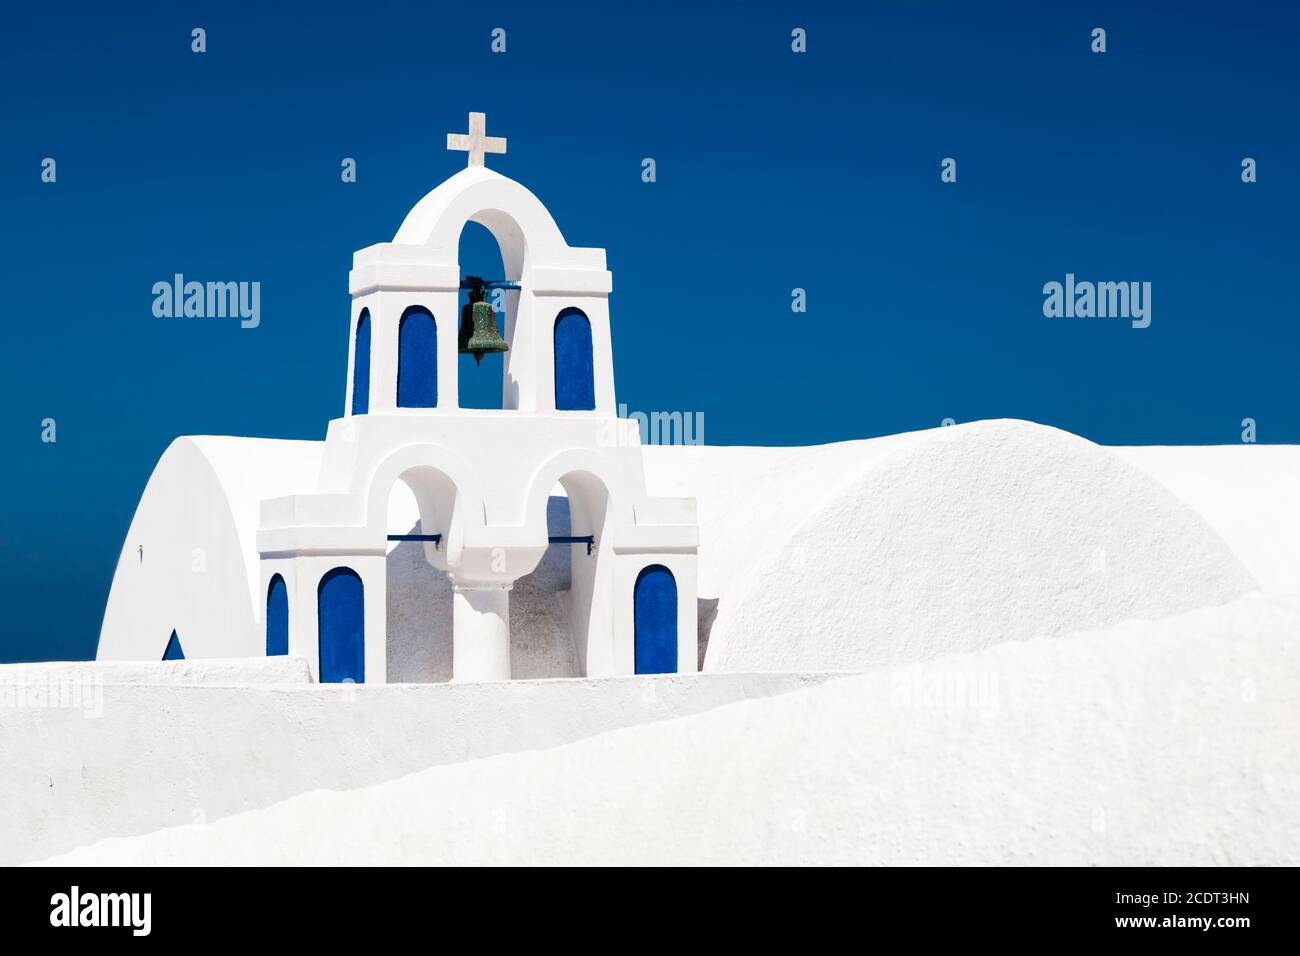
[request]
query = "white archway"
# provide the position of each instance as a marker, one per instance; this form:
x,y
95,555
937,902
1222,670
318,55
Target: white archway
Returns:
x,y
418,598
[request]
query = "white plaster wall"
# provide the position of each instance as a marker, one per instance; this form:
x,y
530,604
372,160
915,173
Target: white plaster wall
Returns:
x,y
197,522
1249,494
1161,744
155,756
235,671
953,539
748,499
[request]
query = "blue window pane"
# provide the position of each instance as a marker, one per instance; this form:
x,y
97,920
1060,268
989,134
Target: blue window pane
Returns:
x,y
340,605
277,618
361,367
655,618
575,380
417,360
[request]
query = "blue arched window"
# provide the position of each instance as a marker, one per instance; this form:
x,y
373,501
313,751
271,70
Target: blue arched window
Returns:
x,y
361,366
340,606
173,651
575,379
417,360
277,618
654,612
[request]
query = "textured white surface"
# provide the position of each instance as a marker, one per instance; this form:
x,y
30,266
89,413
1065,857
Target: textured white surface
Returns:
x,y
189,561
903,548
1167,743
229,671
131,758
1249,494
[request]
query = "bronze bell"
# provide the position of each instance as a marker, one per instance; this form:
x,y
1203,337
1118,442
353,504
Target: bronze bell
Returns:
x,y
478,325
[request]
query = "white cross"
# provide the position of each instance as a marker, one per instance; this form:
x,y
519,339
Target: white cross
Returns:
x,y
474,142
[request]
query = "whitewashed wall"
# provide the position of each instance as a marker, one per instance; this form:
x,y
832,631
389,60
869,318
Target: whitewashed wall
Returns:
x,y
952,539
150,756
1171,743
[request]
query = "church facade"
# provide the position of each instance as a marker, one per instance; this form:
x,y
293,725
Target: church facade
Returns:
x,y
297,538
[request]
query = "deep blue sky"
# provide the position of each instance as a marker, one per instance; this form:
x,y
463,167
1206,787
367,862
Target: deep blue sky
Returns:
x,y
775,170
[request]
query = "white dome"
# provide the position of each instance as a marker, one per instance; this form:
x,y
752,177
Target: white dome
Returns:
x,y
955,539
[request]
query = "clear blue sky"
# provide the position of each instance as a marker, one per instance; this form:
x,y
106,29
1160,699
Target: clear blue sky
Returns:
x,y
775,171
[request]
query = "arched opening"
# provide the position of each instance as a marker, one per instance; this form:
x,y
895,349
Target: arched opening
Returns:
x,y
361,366
482,385
173,650
654,604
575,376
588,505
417,359
418,602
277,618
543,638
340,607
577,511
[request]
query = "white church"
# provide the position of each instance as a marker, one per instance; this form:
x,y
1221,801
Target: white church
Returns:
x,y
394,549
879,640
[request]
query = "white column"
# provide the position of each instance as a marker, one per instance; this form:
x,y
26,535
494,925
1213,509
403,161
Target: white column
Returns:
x,y
480,634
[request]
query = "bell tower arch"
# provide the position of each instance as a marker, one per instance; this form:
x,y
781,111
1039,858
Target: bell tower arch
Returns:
x,y
421,268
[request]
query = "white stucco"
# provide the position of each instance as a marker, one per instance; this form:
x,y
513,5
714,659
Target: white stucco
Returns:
x,y
189,562
81,759
1156,744
1249,494
159,756
953,539
230,672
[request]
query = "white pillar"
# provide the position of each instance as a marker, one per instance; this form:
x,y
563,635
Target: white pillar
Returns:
x,y
480,634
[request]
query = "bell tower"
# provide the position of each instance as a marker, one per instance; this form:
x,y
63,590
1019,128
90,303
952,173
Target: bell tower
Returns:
x,y
419,272
482,479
